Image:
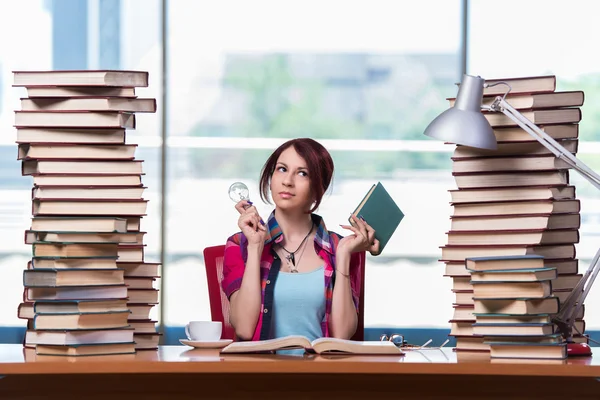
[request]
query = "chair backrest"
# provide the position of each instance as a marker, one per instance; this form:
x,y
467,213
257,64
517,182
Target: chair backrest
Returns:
x,y
360,326
219,303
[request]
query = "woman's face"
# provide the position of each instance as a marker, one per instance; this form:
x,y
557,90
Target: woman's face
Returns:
x,y
290,183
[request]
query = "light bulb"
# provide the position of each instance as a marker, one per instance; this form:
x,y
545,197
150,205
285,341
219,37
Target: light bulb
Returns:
x,y
239,191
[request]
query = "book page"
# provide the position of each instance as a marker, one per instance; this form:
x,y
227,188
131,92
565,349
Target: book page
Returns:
x,y
288,342
362,203
331,345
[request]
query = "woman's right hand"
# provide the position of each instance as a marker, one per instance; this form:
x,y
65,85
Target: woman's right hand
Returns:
x,y
250,223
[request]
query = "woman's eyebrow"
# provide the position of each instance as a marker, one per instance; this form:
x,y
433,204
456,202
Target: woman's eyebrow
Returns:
x,y
285,165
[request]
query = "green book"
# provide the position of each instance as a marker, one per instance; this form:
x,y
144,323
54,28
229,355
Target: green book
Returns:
x,y
381,212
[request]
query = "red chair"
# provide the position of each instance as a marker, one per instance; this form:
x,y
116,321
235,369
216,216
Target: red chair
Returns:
x,y
360,326
219,304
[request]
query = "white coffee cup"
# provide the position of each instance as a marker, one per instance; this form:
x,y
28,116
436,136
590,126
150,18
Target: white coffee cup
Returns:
x,y
203,330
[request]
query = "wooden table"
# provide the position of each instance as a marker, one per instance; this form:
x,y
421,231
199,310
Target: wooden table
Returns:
x,y
185,373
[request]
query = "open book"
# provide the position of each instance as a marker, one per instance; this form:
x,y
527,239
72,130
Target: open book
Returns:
x,y
319,346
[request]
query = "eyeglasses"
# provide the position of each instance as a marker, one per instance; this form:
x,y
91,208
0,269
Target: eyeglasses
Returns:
x,y
399,341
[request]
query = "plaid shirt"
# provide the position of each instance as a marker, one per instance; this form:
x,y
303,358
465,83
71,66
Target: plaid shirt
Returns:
x,y
236,253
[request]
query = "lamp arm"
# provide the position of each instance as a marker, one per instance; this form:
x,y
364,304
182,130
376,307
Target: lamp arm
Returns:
x,y
574,302
500,105
571,306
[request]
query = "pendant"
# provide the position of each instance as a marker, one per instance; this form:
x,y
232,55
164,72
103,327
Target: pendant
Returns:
x,y
290,258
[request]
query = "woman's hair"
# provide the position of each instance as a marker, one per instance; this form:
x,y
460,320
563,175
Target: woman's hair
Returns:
x,y
319,164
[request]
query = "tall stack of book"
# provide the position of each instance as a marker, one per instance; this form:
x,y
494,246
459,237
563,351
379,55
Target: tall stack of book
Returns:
x,y
87,288
516,200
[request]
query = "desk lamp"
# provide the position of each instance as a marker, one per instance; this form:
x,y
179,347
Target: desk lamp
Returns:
x,y
464,124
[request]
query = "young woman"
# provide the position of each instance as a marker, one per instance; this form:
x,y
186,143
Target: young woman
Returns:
x,y
290,275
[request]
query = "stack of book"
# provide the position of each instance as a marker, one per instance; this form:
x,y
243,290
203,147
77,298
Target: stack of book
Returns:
x,y
513,306
87,288
516,200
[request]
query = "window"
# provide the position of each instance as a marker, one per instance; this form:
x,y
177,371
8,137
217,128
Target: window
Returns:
x,y
66,34
243,76
363,77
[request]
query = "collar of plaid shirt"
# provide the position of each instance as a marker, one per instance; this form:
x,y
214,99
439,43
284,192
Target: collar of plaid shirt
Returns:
x,y
325,243
322,238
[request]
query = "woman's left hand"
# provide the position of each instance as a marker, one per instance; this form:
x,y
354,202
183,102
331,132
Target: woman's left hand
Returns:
x,y
362,238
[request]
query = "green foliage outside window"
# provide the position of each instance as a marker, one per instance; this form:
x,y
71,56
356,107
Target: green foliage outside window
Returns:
x,y
280,104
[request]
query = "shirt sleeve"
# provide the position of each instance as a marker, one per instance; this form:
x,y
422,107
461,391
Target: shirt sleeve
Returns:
x,y
356,275
233,265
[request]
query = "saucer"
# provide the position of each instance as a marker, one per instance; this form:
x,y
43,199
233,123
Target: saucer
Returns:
x,y
206,344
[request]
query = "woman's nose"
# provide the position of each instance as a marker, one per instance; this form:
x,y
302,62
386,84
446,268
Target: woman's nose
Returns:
x,y
288,180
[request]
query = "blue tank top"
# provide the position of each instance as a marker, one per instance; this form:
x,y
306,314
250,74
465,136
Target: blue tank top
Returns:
x,y
298,305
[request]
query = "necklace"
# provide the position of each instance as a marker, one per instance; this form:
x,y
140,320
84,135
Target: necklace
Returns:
x,y
291,254
294,268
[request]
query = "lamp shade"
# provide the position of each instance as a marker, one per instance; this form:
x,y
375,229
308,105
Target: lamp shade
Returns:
x,y
464,123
